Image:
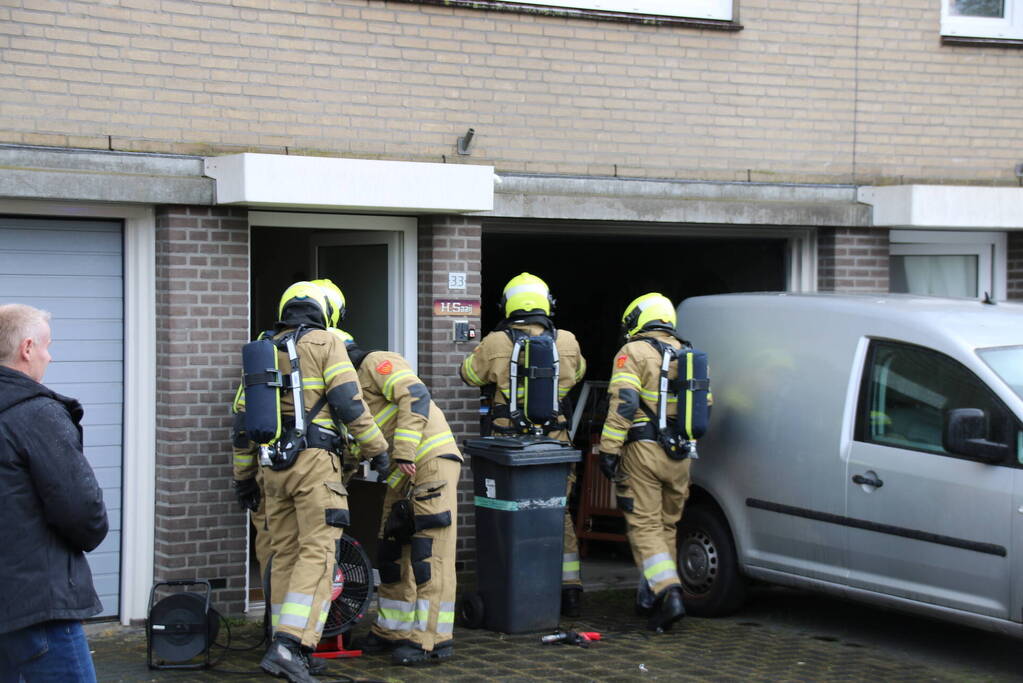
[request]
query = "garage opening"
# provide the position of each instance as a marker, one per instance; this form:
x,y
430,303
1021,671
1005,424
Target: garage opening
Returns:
x,y
593,274
593,277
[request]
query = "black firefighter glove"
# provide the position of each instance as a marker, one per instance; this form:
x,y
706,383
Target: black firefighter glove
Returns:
x,y
609,464
380,464
248,493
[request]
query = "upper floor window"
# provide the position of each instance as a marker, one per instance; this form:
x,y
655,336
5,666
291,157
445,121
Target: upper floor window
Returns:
x,y
999,19
719,10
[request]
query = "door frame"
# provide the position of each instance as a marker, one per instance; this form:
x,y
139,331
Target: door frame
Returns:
x,y
403,295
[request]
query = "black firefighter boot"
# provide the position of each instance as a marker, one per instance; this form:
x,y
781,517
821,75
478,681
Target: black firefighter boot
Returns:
x,y
285,659
667,610
316,665
571,601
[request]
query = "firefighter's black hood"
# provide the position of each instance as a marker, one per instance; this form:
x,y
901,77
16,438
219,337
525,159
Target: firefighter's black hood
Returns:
x,y
299,312
536,318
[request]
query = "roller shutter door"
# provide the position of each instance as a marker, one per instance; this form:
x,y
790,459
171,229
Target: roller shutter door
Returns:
x,y
74,269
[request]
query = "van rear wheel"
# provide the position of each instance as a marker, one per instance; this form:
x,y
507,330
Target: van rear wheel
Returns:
x,y
712,584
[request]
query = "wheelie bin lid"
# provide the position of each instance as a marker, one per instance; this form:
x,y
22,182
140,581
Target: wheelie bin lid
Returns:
x,y
514,452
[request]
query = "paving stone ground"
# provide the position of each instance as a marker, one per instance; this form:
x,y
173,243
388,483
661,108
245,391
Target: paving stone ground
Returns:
x,y
730,649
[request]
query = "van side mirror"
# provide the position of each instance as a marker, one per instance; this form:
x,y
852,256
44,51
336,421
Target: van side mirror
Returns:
x,y
965,429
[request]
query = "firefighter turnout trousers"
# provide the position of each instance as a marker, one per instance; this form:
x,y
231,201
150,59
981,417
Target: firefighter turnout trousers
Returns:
x,y
651,489
307,509
261,530
417,578
570,576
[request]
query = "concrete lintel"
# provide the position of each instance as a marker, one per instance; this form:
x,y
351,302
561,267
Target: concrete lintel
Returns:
x,y
949,207
283,181
613,199
91,175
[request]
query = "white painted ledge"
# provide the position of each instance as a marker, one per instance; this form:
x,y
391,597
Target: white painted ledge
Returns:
x,y
945,206
280,181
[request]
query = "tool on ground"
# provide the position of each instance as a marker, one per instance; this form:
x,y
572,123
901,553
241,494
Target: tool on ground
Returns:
x,y
581,638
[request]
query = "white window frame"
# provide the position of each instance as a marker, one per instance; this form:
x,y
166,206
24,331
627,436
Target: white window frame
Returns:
x,y
720,10
990,248
1009,27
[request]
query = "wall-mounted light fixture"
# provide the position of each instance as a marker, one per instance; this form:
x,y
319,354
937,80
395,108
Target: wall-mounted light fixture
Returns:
x,y
465,141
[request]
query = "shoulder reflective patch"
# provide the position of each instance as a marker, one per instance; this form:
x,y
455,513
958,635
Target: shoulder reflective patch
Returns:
x,y
385,368
620,361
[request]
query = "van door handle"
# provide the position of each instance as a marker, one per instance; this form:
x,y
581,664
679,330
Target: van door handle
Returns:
x,y
867,481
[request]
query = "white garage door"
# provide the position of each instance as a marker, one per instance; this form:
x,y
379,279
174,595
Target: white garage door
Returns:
x,y
74,270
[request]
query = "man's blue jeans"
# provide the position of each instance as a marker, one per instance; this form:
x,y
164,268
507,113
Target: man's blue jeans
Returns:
x,y
50,652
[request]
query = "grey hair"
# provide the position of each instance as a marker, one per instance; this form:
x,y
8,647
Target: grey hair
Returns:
x,y
18,322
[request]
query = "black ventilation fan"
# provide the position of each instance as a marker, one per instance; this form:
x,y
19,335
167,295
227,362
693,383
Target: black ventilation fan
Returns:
x,y
180,628
351,592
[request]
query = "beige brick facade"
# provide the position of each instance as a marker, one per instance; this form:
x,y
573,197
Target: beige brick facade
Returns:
x,y
806,92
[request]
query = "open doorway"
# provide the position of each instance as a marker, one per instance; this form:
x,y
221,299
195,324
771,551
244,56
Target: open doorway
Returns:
x,y
371,258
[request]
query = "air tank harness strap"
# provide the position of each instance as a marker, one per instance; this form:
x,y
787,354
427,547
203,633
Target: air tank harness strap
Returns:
x,y
645,431
273,378
292,442
658,428
521,426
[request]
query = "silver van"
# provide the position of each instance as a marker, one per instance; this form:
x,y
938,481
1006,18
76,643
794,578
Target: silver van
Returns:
x,y
865,446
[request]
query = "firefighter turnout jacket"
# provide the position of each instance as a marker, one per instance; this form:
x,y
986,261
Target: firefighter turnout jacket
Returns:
x,y
417,572
326,370
490,363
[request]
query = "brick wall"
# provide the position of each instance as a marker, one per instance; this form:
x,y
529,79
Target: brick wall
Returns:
x,y
852,260
1015,265
825,91
202,312
450,244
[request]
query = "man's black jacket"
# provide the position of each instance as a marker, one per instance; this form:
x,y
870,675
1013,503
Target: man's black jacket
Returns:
x,y
51,506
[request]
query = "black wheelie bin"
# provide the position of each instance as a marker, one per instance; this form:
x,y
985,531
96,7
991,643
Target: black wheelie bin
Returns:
x,y
519,495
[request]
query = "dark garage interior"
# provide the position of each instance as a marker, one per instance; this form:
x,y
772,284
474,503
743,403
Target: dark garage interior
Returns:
x,y
593,277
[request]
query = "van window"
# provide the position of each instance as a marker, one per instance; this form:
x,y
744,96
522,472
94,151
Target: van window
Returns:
x,y
908,390
1007,362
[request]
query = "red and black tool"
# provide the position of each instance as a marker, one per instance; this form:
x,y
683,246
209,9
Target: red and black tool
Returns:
x,y
580,638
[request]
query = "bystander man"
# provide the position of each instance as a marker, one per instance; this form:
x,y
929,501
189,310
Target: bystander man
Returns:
x,y
53,513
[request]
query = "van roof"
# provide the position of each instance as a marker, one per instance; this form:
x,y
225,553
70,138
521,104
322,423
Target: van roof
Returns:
x,y
973,323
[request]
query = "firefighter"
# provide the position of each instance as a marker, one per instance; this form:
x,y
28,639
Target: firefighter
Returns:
x,y
304,498
528,307
650,487
250,490
416,550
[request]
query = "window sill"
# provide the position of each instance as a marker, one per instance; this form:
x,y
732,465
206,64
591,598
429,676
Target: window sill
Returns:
x,y
964,41
597,15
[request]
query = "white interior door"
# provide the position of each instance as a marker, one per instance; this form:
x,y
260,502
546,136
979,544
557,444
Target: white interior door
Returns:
x,y
366,266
